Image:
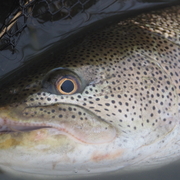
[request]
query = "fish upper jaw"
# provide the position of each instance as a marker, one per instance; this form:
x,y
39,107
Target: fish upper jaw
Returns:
x,y
94,131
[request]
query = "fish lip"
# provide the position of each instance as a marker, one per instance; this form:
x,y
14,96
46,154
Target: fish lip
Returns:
x,y
5,126
10,126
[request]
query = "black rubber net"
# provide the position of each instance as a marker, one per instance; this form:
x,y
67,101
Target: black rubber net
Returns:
x,y
42,11
29,27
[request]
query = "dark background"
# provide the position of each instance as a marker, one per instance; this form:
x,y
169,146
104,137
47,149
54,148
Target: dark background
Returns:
x,y
42,24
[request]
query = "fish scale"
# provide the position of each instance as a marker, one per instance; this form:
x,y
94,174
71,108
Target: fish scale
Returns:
x,y
126,114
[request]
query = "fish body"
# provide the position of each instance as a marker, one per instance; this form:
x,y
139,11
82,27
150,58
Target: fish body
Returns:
x,y
110,103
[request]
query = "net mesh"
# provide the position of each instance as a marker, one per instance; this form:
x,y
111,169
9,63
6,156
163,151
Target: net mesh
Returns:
x,y
43,11
30,27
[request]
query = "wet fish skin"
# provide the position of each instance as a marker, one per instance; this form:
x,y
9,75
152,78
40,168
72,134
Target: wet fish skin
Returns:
x,y
126,113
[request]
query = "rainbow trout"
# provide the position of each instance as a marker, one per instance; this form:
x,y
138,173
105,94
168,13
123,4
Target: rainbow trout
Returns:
x,y
110,103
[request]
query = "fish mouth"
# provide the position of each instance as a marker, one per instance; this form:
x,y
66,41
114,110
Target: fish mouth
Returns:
x,y
89,135
9,127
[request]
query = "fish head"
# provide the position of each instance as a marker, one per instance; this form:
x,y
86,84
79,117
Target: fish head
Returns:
x,y
108,103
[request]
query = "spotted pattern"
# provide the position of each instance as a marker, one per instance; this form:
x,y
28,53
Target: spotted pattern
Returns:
x,y
132,72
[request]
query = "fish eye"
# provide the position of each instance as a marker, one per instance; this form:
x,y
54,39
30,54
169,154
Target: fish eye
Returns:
x,y
67,85
62,81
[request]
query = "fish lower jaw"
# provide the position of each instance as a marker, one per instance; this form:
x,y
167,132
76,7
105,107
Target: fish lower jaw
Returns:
x,y
8,126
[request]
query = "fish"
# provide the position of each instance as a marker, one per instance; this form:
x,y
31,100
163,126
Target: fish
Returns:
x,y
111,103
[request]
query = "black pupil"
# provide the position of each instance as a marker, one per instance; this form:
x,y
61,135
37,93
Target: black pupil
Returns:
x,y
67,86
